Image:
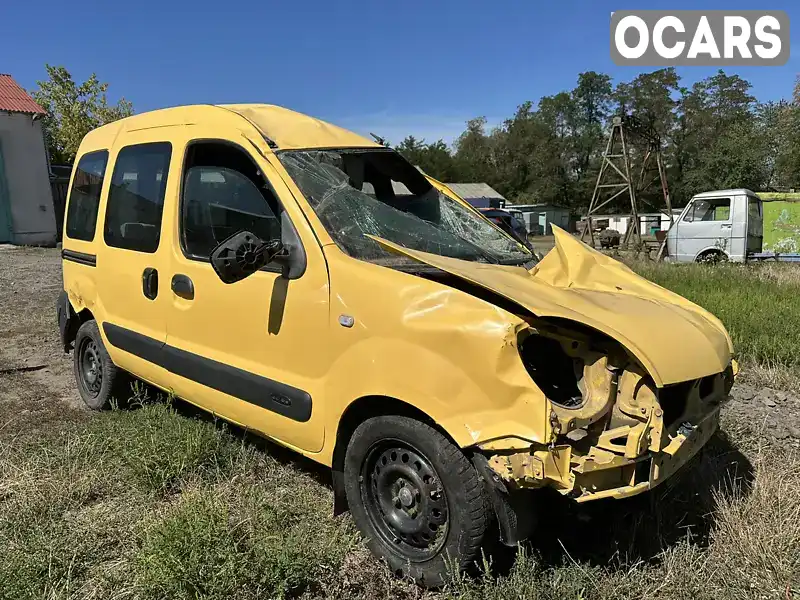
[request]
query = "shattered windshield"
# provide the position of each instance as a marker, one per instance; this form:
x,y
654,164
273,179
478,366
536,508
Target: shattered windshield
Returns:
x,y
361,192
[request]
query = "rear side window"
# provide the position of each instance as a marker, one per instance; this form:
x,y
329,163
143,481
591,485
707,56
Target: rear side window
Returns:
x,y
754,208
84,197
136,197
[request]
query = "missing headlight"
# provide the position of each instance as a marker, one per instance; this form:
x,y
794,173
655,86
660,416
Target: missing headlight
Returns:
x,y
553,370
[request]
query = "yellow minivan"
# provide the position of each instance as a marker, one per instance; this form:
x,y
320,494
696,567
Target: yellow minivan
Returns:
x,y
311,285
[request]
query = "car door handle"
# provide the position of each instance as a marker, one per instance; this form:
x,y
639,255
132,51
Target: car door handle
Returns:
x,y
150,283
182,286
727,226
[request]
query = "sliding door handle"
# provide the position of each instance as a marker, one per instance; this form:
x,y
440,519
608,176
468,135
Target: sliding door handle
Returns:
x,y
150,283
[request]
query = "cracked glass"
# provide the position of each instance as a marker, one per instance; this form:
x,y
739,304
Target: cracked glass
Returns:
x,y
361,192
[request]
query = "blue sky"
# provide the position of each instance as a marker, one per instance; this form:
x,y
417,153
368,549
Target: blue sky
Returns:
x,y
395,68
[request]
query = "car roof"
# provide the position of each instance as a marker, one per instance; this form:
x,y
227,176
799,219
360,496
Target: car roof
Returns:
x,y
285,129
733,192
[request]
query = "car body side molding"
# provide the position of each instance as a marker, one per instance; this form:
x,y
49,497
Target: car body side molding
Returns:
x,y
82,258
266,393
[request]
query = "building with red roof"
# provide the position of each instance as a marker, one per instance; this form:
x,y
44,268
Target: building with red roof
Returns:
x,y
26,203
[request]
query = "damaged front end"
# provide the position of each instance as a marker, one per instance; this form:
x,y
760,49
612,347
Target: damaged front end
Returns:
x,y
614,434
632,376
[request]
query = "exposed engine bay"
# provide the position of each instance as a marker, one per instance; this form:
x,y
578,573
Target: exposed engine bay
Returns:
x,y
614,433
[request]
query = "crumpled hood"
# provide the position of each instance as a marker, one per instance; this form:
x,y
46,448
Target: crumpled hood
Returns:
x,y
673,338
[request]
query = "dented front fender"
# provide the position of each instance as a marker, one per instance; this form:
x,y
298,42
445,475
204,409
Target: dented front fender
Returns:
x,y
674,339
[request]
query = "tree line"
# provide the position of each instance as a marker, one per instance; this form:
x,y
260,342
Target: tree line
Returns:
x,y
714,135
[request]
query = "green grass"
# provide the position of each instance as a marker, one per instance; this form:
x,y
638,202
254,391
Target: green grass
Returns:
x,y
79,520
160,505
160,502
759,304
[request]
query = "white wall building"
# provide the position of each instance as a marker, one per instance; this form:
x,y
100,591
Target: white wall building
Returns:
x,y
26,203
650,222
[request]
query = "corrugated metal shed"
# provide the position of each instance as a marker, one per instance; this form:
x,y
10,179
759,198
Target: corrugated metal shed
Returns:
x,y
475,190
14,99
467,191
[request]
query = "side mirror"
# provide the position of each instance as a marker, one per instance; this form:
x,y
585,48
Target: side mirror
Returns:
x,y
243,254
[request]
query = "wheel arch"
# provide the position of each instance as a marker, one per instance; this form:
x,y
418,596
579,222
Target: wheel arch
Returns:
x,y
358,411
710,250
70,320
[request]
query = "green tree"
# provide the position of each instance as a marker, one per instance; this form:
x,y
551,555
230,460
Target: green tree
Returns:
x,y
434,159
593,105
650,98
787,159
719,142
714,135
474,156
775,131
73,110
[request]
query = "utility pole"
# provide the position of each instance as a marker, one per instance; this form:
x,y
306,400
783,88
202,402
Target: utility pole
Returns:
x,y
615,175
615,161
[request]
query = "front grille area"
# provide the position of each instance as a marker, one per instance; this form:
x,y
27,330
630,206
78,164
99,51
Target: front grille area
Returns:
x,y
673,400
707,386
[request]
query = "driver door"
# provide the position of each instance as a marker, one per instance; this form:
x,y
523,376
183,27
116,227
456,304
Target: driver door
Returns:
x,y
252,351
707,224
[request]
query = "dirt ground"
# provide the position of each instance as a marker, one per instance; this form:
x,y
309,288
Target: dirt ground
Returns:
x,y
36,382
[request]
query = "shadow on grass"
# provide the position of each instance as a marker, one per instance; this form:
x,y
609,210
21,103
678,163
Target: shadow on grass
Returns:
x,y
609,533
145,394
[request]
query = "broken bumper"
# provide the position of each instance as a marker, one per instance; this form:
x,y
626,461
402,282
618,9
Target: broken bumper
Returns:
x,y
644,473
618,465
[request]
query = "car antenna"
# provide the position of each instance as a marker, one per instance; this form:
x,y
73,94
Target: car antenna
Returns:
x,y
382,141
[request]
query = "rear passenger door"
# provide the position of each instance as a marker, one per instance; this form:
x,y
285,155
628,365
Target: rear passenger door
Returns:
x,y
133,256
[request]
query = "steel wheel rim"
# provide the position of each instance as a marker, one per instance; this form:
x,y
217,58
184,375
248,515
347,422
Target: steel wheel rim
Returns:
x,y
405,500
90,367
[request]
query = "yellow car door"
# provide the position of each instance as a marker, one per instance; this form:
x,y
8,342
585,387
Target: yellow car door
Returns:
x,y
252,351
133,257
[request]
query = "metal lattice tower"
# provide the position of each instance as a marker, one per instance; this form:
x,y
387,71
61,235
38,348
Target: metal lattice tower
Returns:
x,y
615,175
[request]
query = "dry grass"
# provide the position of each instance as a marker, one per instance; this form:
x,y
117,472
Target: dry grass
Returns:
x,y
162,502
773,375
156,503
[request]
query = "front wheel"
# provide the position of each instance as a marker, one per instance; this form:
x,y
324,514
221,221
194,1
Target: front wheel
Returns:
x,y
416,498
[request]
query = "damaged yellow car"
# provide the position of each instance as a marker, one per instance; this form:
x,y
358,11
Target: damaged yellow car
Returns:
x,y
311,285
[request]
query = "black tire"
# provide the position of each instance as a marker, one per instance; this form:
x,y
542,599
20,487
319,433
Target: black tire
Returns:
x,y
713,257
415,497
98,378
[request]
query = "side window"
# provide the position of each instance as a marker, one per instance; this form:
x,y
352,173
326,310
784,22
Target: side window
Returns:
x,y
136,197
754,208
84,197
224,193
715,209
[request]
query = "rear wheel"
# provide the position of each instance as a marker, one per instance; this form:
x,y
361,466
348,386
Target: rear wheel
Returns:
x,y
416,498
98,378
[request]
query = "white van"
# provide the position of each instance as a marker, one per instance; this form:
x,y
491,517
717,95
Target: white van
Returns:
x,y
720,225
